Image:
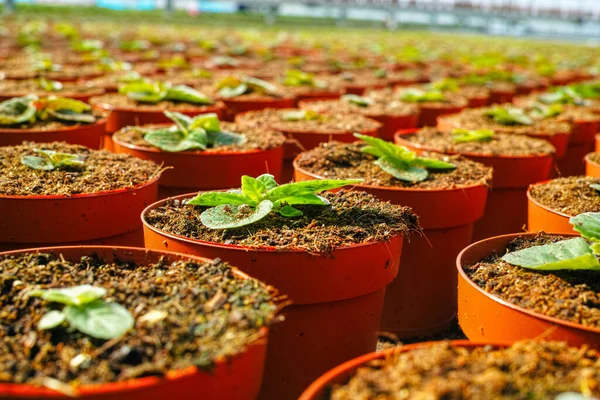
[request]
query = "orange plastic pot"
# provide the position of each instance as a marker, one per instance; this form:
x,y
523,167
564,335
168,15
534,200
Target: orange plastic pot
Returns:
x,y
559,140
501,96
543,218
227,167
416,304
428,115
44,220
581,142
476,102
597,144
89,135
319,390
506,206
85,97
318,95
591,168
236,378
484,317
236,106
336,301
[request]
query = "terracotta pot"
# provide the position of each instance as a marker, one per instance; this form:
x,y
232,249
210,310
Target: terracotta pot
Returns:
x,y
581,142
236,378
597,144
235,106
591,168
222,170
415,304
428,115
337,302
28,220
506,206
543,218
485,317
122,117
318,95
319,390
476,102
501,96
89,135
559,140
358,89
85,97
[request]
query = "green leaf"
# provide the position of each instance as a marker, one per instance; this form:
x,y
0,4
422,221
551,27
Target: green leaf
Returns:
x,y
100,319
588,225
253,188
87,45
144,92
134,45
66,109
173,140
182,121
308,187
213,199
402,171
302,199
300,115
374,151
446,85
290,212
18,110
421,96
229,92
227,216
187,94
51,320
542,111
35,162
509,116
477,135
260,86
208,122
63,160
571,254
432,163
73,296
219,138
268,180
296,77
50,86
595,186
358,100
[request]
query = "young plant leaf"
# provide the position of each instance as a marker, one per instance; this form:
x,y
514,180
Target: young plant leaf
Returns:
x,y
208,122
182,121
307,187
230,92
302,199
100,319
18,110
144,91
588,225
290,212
51,320
50,86
571,254
187,94
422,96
228,216
300,115
74,296
358,100
213,199
432,163
268,180
173,140
253,188
595,186
220,138
35,162
477,135
404,172
509,116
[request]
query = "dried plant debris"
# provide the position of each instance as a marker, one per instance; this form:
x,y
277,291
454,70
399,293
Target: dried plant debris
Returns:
x,y
526,370
351,218
186,314
101,171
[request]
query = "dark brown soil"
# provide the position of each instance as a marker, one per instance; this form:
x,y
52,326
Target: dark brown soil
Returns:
x,y
475,118
526,370
572,296
379,108
103,171
329,124
191,333
352,218
594,157
119,101
571,195
343,161
501,144
256,139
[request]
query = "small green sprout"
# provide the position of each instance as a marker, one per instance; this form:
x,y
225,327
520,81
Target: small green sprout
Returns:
x,y
232,87
358,100
50,160
154,92
413,95
509,115
477,135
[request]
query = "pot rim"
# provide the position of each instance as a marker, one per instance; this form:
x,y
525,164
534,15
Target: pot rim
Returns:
x,y
137,383
416,112
505,303
402,132
94,102
392,188
88,195
101,121
540,205
341,370
589,161
235,247
194,153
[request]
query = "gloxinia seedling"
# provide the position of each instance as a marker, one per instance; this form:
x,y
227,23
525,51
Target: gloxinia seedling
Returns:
x,y
413,95
28,109
562,95
358,100
232,87
509,116
572,254
259,197
85,311
542,111
200,132
154,92
476,135
294,77
445,85
50,160
399,161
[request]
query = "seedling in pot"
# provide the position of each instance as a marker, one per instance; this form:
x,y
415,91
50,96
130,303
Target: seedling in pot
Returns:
x,y
358,100
86,311
542,111
563,95
421,96
296,77
28,109
445,85
232,87
477,135
50,160
399,161
200,132
259,197
154,92
301,115
580,253
49,85
509,116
